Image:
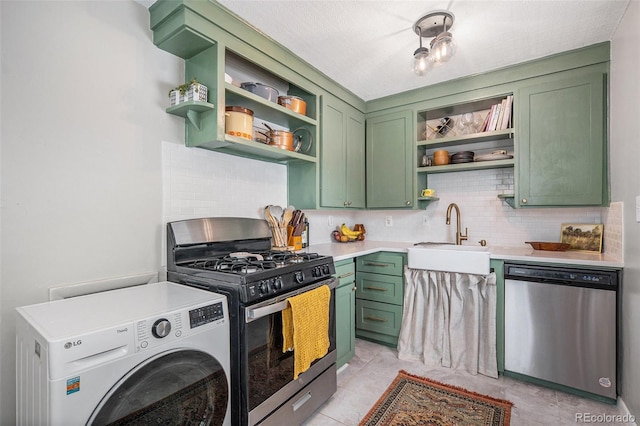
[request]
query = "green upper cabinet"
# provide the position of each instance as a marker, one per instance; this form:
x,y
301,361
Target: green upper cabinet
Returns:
x,y
342,173
561,149
390,160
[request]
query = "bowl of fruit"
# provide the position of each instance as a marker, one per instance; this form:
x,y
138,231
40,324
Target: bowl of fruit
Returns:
x,y
344,234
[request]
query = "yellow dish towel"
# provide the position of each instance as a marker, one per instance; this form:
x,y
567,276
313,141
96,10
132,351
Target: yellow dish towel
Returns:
x,y
305,327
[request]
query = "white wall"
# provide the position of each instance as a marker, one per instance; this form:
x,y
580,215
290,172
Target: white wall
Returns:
x,y
84,136
625,183
84,92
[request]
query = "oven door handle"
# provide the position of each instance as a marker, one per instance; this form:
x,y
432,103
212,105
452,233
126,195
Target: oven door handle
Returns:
x,y
253,314
257,313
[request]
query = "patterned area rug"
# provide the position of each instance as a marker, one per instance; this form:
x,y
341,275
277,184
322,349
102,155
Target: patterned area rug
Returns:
x,y
413,400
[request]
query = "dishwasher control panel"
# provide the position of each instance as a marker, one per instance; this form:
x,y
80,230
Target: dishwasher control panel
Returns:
x,y
561,275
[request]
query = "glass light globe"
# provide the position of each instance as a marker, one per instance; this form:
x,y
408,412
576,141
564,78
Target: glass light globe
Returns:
x,y
443,47
422,61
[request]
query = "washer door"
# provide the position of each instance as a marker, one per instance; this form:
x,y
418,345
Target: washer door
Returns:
x,y
181,387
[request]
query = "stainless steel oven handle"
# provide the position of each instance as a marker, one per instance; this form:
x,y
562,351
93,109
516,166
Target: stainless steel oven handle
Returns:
x,y
256,313
253,314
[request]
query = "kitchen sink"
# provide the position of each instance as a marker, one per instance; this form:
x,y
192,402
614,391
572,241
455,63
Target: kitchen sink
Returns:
x,y
449,258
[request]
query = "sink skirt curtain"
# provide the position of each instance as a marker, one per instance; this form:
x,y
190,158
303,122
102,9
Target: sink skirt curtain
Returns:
x,y
449,319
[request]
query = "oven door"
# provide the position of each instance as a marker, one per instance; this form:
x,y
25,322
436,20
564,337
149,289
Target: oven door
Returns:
x,y
267,373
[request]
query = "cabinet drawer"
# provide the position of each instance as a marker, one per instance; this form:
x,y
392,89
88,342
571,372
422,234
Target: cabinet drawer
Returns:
x,y
381,263
378,317
345,272
380,288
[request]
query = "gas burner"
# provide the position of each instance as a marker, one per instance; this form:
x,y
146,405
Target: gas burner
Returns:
x,y
234,264
290,257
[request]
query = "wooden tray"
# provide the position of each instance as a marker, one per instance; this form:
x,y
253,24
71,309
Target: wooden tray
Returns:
x,y
541,245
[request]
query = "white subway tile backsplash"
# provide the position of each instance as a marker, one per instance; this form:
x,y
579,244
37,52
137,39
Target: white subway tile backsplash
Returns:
x,y
201,183
482,212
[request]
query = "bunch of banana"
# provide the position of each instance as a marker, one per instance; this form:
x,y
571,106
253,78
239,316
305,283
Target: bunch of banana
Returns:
x,y
345,234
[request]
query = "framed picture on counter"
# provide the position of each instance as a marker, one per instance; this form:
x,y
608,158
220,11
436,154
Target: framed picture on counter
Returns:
x,y
583,236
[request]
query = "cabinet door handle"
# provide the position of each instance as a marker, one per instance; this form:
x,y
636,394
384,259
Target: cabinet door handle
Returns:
x,y
383,265
376,319
375,288
345,203
348,274
524,201
408,203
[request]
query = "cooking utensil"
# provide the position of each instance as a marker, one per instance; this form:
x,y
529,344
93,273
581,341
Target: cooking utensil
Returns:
x,y
293,103
274,226
238,121
287,215
303,143
288,140
262,90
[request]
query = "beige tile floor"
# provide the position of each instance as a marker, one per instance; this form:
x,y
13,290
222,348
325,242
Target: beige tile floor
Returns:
x,y
375,366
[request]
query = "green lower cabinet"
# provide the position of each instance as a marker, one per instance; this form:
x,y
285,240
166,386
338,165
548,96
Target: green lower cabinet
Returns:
x,y
345,312
380,288
497,266
377,321
380,296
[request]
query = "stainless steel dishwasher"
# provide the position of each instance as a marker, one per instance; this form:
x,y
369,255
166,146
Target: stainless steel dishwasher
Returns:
x,y
561,327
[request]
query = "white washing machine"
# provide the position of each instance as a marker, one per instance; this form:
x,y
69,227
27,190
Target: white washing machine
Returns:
x,y
151,354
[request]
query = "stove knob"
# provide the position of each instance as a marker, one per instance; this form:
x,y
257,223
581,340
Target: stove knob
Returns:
x,y
317,271
263,287
299,276
161,328
326,269
277,284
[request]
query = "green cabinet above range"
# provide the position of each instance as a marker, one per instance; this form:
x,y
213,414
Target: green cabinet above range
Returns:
x,y
216,45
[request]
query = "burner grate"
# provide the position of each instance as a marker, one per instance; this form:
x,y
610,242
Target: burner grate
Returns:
x,y
243,263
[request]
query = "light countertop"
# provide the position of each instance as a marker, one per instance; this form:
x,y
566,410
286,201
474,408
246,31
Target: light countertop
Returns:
x,y
524,253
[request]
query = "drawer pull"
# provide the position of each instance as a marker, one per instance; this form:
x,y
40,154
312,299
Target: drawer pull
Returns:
x,y
383,265
376,288
348,274
375,319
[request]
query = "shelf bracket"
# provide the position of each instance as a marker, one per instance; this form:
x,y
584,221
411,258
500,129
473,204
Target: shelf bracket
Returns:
x,y
509,199
191,111
194,118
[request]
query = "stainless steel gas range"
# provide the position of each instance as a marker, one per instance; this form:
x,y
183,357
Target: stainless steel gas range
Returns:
x,y
233,256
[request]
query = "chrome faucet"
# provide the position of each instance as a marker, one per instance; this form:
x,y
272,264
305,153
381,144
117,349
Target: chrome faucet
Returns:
x,y
459,236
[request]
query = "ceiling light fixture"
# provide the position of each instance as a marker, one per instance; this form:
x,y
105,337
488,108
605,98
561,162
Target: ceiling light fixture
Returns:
x,y
443,47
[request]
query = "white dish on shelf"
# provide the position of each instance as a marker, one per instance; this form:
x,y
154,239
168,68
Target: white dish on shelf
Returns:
x,y
491,157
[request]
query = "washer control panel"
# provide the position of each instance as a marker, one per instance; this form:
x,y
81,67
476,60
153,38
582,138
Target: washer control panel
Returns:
x,y
205,315
170,326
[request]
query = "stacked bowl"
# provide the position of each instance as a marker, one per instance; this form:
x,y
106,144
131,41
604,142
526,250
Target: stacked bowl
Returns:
x,y
462,157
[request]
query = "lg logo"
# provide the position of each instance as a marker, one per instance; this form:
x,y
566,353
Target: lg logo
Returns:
x,y
69,345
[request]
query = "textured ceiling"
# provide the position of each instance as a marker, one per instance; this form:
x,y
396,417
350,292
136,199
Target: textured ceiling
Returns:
x,y
367,45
